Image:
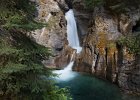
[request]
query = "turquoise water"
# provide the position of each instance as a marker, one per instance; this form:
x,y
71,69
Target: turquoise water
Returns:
x,y
87,87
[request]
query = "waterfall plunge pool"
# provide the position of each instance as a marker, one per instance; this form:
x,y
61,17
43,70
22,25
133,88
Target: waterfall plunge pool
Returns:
x,y
87,87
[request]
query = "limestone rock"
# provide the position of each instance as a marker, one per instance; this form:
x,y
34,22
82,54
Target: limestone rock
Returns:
x,y
54,35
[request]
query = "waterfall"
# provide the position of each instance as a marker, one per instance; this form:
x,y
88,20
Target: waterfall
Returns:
x,y
70,65
73,40
72,34
66,73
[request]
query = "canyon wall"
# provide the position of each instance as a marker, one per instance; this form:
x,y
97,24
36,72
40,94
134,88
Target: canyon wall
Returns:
x,y
53,35
99,31
102,55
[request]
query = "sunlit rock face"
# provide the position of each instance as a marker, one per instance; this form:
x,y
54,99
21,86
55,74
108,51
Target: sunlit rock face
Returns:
x,y
54,35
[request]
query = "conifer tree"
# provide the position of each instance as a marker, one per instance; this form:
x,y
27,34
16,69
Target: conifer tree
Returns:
x,y
22,74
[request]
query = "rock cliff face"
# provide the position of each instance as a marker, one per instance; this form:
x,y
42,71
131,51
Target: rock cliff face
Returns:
x,y
54,35
102,55
82,16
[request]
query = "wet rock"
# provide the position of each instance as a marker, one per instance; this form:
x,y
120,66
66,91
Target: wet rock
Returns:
x,y
65,57
82,17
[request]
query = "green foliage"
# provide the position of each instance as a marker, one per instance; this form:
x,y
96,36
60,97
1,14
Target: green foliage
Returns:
x,y
19,22
90,4
22,74
21,68
58,94
117,6
131,42
122,6
19,14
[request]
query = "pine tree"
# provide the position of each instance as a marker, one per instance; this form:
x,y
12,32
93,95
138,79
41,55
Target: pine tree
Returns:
x,y
22,74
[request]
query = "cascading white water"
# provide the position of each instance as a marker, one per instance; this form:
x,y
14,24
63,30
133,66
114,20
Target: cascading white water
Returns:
x,y
72,34
66,73
73,40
